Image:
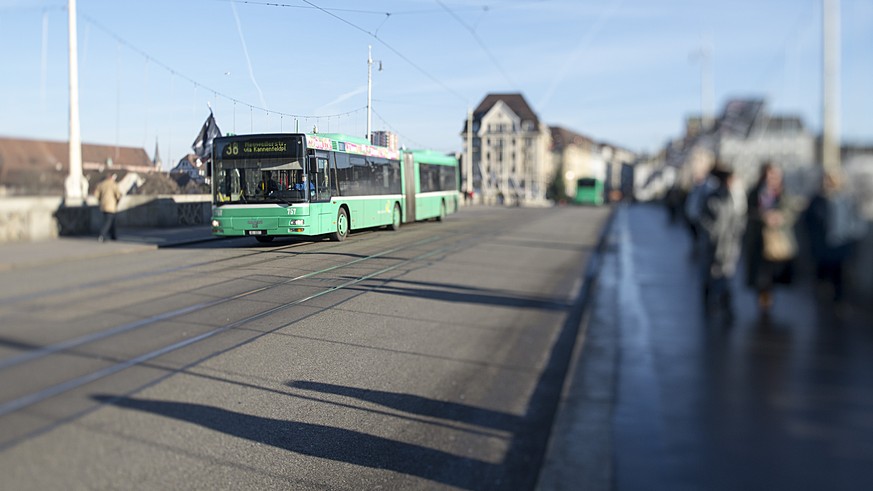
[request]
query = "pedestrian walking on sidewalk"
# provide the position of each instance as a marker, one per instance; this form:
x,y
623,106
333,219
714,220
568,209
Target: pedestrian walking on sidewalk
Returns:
x,y
770,245
835,226
703,185
108,195
722,223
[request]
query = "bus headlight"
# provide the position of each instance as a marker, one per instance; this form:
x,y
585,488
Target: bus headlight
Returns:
x,y
216,223
296,222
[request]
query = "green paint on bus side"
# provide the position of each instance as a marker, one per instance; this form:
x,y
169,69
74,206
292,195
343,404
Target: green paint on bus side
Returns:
x,y
435,203
589,191
366,211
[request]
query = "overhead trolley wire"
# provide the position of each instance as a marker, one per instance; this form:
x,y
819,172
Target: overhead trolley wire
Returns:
x,y
479,41
391,48
196,84
355,11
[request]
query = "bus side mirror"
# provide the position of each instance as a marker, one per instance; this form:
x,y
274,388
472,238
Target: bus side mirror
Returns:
x,y
313,165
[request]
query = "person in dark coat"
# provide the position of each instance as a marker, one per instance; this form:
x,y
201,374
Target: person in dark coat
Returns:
x,y
722,222
703,184
768,207
835,226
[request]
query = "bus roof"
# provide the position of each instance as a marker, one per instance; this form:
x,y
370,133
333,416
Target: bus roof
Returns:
x,y
348,144
356,145
433,157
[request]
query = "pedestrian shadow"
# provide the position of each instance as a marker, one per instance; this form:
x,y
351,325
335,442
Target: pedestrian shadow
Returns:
x,y
529,431
338,444
422,406
459,294
519,468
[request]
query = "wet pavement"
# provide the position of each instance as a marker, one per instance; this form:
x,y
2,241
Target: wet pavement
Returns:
x,y
661,397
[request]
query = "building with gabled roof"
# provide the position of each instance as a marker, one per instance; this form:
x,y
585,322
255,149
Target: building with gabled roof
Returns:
x,y
39,167
515,101
190,168
510,151
575,157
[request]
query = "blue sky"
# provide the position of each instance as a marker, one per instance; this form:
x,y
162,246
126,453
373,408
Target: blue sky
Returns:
x,y
622,71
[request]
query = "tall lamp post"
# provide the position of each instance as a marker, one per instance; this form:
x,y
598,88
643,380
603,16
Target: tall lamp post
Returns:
x,y
73,184
830,138
707,92
468,158
370,90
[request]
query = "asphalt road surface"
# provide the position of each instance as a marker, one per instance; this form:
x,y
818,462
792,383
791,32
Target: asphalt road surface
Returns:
x,y
429,358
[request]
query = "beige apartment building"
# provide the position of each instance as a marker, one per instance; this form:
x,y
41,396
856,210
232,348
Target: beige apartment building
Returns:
x,y
511,156
576,157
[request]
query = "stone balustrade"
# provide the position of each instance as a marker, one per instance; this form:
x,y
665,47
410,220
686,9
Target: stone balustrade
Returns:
x,y
41,218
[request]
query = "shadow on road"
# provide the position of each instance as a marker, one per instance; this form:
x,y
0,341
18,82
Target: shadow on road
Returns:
x,y
518,470
422,406
455,293
321,441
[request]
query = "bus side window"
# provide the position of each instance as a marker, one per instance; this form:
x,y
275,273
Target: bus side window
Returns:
x,y
333,182
322,184
344,174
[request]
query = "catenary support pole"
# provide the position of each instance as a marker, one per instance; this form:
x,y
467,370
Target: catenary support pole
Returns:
x,y
74,195
831,85
369,89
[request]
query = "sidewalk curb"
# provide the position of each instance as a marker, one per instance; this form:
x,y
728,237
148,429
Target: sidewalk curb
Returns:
x,y
557,461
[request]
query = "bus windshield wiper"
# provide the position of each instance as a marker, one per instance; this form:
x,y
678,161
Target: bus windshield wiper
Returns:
x,y
283,200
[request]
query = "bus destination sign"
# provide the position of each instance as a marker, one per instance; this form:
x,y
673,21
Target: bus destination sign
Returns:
x,y
259,147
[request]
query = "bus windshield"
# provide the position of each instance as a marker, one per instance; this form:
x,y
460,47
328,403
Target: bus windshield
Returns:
x,y
244,175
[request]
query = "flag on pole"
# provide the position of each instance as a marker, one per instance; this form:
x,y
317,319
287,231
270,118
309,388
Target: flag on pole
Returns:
x,y
202,145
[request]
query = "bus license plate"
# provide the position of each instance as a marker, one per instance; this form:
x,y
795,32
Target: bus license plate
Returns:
x,y
256,232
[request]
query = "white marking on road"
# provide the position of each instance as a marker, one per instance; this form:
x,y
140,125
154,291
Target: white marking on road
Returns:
x,y
55,390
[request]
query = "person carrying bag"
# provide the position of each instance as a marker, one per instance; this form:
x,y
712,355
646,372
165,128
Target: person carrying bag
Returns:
x,y
770,242
779,244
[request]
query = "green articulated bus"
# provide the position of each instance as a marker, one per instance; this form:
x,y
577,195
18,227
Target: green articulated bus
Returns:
x,y
589,191
308,185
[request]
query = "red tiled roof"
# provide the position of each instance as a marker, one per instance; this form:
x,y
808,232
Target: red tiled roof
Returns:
x,y
23,158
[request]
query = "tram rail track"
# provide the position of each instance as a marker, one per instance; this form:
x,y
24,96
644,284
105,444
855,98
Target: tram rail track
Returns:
x,y
74,346
440,353
93,360
10,300
101,335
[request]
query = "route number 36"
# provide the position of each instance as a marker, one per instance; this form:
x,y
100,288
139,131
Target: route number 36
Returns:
x,y
232,149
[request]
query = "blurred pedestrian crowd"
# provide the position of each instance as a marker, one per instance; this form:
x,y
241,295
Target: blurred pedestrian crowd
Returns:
x,y
767,233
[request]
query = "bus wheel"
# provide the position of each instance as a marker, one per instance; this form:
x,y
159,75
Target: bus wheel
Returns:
x,y
442,212
264,238
395,218
342,226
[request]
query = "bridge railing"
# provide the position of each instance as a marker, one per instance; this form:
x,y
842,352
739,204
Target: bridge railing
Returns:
x,y
40,218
